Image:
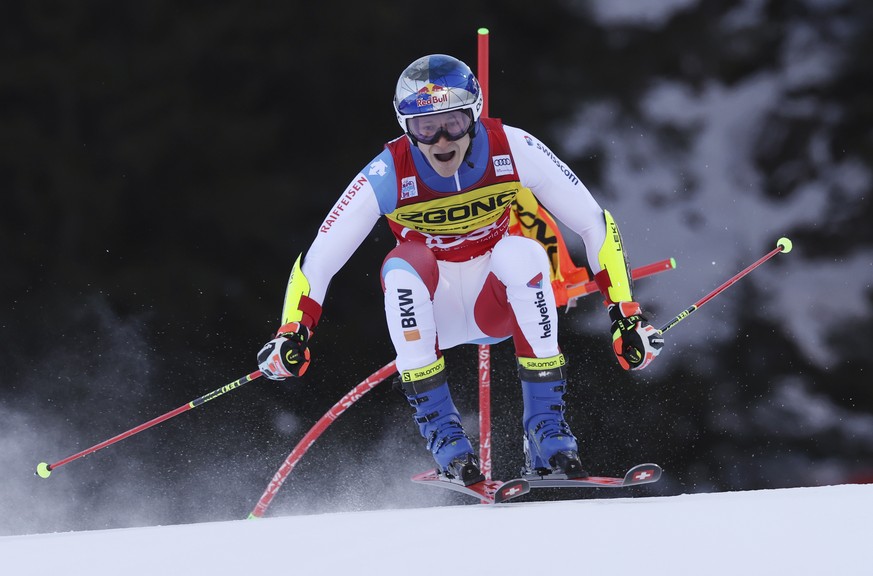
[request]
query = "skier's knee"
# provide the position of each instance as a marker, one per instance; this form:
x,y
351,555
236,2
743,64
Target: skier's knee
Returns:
x,y
516,259
415,258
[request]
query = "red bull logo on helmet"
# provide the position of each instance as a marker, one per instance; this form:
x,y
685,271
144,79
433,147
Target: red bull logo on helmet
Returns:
x,y
432,95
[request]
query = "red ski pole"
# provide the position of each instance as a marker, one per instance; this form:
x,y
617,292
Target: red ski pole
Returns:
x,y
782,245
44,470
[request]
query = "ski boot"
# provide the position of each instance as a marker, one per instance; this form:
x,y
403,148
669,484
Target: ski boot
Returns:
x,y
549,444
440,425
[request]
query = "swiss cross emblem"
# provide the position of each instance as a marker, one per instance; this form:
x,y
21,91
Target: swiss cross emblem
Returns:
x,y
643,475
511,491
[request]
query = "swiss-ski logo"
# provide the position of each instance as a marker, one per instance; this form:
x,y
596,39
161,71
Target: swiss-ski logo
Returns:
x,y
408,188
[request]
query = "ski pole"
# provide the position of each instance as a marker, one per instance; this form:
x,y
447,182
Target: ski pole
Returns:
x,y
782,245
44,470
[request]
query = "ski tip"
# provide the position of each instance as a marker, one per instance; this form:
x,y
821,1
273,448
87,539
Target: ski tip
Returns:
x,y
642,474
428,476
511,489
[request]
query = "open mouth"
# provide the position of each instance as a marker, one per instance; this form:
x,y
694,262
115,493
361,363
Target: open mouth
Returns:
x,y
445,157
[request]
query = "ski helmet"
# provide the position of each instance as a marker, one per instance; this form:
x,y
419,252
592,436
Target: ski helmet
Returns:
x,y
435,84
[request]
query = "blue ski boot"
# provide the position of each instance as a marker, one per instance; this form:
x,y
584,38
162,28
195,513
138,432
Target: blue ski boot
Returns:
x,y
440,424
549,444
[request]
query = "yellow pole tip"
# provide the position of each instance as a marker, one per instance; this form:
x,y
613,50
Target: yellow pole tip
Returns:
x,y
673,263
42,470
785,244
483,31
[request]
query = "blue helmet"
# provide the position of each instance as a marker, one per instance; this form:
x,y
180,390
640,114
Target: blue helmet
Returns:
x,y
435,84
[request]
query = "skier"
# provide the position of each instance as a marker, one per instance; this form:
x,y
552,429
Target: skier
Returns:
x,y
456,276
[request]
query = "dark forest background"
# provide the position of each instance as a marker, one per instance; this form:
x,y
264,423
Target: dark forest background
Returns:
x,y
163,163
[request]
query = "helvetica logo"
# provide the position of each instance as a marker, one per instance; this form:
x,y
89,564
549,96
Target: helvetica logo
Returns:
x,y
545,318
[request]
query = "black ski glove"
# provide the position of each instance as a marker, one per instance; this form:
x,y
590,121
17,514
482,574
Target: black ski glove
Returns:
x,y
635,342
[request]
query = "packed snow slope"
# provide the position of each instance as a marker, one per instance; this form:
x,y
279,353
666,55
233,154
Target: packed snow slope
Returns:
x,y
797,531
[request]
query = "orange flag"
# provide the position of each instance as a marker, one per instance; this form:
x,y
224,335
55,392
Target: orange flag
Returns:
x,y
531,220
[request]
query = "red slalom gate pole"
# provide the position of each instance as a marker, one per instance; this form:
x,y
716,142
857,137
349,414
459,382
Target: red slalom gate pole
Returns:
x,y
485,409
783,245
482,72
577,290
309,439
44,470
484,349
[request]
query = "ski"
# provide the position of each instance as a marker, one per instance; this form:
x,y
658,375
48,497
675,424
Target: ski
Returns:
x,y
490,491
639,474
495,491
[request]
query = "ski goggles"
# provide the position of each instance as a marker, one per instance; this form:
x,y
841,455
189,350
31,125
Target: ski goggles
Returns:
x,y
429,129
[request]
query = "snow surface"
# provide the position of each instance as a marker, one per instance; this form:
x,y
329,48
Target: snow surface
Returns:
x,y
796,531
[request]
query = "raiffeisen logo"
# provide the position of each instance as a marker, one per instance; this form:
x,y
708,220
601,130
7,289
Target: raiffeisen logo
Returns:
x,y
431,95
